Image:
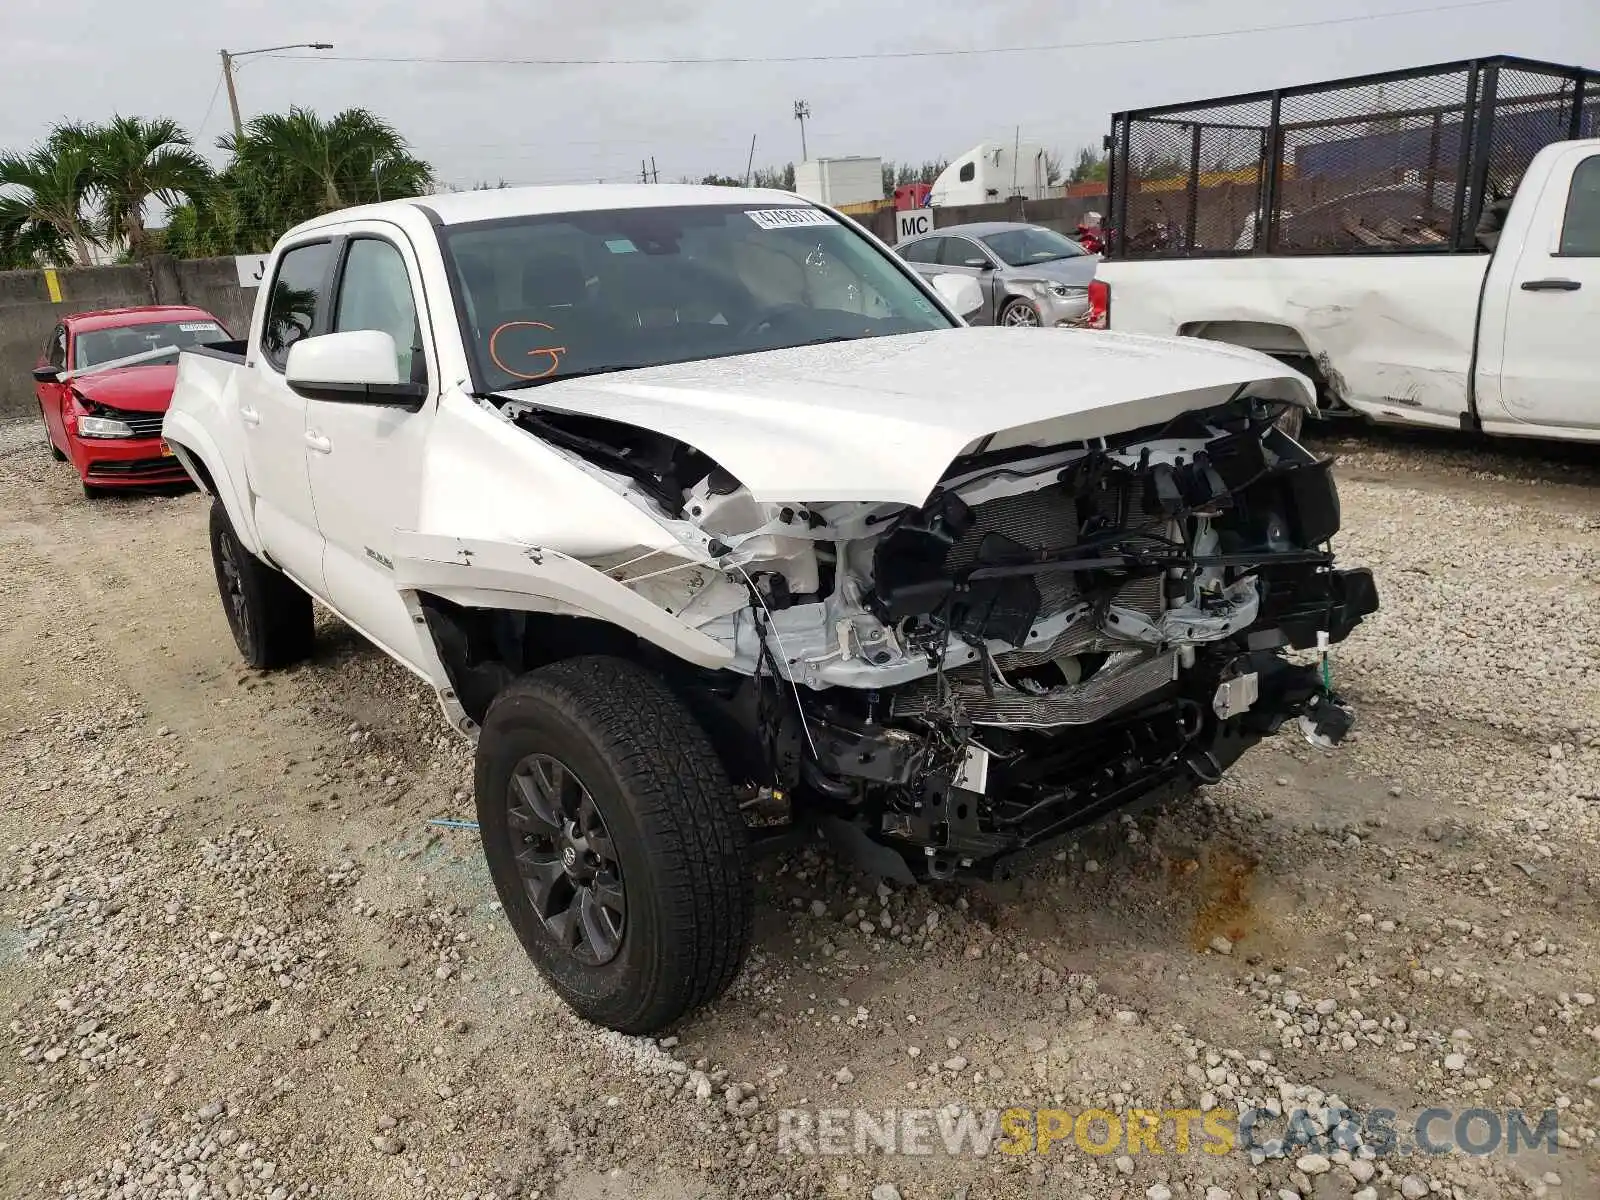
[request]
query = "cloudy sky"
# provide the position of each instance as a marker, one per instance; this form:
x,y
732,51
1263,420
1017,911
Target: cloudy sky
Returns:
x,y
85,59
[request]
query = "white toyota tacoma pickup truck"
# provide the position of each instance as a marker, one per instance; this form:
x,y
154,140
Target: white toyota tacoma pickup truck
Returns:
x,y
710,522
1425,244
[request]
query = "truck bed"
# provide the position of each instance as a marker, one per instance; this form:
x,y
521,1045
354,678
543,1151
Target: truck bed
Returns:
x,y
233,351
1391,339
203,425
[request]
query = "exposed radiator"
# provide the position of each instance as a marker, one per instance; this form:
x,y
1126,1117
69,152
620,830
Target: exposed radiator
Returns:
x,y
1042,520
1048,520
1122,680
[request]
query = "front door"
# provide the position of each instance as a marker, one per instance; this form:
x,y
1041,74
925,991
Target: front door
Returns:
x,y
1550,373
51,396
274,417
963,256
366,460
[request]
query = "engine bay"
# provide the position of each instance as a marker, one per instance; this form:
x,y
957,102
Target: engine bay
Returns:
x,y
1056,632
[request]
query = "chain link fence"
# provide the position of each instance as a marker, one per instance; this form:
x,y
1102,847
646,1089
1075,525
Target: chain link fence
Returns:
x,y
1426,159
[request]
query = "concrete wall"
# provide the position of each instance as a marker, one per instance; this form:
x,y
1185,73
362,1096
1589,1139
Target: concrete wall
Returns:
x,y
1060,213
28,314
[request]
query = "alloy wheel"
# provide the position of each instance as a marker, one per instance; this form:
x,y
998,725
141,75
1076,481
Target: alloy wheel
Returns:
x,y
233,583
567,860
1020,314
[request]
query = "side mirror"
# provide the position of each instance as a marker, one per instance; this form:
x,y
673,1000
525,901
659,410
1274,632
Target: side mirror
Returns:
x,y
981,264
961,293
359,366
47,374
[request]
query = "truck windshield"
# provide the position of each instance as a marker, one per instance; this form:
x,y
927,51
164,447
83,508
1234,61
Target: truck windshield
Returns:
x,y
1023,247
551,297
93,347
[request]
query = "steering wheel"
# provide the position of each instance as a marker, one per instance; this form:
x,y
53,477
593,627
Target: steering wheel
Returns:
x,y
770,314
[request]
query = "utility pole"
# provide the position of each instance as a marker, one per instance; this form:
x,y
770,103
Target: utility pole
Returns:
x,y
655,175
750,162
802,110
228,58
644,172
233,96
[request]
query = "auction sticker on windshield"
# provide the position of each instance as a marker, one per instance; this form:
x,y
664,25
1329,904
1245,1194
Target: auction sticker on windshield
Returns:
x,y
786,218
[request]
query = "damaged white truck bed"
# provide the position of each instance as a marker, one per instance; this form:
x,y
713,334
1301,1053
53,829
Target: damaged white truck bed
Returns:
x,y
690,501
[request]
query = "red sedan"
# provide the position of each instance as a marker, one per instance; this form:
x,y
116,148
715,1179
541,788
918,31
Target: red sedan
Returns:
x,y
104,384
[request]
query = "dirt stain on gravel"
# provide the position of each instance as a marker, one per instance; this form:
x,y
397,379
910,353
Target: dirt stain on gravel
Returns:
x,y
1226,882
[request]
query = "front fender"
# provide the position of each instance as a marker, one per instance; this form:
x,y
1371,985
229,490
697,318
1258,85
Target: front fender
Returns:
x,y
478,573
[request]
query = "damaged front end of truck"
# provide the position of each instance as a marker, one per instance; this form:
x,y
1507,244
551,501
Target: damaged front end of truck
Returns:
x,y
1058,632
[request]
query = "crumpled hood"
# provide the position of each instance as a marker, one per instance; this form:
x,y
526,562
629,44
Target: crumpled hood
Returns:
x,y
134,389
881,419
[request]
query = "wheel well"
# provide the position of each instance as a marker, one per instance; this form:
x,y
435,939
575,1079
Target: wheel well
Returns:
x,y
484,649
197,467
1282,342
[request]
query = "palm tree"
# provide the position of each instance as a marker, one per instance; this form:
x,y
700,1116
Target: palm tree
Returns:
x,y
133,161
292,166
208,226
43,198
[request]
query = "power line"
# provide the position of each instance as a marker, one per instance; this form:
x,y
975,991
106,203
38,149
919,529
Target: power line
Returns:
x,y
741,60
211,105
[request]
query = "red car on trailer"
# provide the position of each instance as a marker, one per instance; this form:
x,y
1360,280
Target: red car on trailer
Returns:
x,y
104,383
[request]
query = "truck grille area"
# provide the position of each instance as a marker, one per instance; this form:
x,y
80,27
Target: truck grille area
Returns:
x,y
1044,521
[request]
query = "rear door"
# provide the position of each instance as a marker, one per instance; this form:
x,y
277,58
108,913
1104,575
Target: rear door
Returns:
x,y
52,395
1549,373
274,417
365,460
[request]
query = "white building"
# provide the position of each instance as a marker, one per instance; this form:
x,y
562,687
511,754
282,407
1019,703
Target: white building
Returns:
x,y
840,181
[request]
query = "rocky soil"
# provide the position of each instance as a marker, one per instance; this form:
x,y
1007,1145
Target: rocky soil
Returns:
x,y
237,961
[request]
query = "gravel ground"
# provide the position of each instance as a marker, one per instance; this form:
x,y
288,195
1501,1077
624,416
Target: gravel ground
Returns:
x,y
236,960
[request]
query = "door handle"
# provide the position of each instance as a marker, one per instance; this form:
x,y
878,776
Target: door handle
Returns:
x,y
1551,285
319,443
249,415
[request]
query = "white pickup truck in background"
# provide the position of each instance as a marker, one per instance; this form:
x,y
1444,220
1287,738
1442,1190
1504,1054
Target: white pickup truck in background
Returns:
x,y
689,501
1362,253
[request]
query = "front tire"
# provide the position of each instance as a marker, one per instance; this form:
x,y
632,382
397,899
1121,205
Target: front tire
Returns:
x,y
614,842
1020,314
49,441
269,616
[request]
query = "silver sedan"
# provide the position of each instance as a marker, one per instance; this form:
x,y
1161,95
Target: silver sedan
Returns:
x,y
1029,275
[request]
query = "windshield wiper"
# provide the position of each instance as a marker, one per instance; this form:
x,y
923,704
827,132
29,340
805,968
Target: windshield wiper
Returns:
x,y
828,341
521,384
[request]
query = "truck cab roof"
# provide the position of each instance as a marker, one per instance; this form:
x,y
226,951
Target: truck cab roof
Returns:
x,y
491,204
